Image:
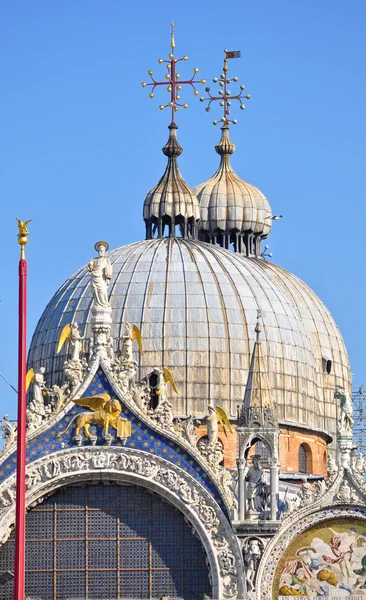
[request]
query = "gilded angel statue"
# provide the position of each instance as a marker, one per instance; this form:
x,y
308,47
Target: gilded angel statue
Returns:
x,y
71,334
216,416
131,334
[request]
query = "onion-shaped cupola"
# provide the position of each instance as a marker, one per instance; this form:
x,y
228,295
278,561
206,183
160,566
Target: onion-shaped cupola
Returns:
x,y
171,202
233,213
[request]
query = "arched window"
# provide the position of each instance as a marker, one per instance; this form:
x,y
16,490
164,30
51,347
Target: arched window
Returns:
x,y
262,450
111,542
305,462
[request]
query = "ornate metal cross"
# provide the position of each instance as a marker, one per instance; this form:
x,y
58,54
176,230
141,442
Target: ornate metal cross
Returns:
x,y
225,98
172,80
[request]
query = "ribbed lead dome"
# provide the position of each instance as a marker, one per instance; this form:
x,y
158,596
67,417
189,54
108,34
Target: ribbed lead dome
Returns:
x,y
196,305
232,210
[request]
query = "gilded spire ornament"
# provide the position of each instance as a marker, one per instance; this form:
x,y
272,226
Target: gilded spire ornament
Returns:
x,y
225,97
23,236
172,80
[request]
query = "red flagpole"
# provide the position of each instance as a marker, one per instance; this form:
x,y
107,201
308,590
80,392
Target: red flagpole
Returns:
x,y
19,574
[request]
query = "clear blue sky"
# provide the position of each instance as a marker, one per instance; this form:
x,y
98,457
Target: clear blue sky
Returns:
x,y
80,141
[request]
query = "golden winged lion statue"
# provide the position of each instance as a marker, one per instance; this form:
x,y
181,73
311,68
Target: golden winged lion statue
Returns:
x,y
106,412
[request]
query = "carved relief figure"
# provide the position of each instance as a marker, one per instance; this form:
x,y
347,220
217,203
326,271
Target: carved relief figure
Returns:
x,y
252,555
101,273
307,492
141,396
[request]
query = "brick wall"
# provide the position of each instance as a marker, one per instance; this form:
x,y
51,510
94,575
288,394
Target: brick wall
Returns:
x,y
289,443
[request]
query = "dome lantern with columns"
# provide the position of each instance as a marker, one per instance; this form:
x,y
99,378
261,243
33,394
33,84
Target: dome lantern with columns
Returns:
x,y
232,210
171,202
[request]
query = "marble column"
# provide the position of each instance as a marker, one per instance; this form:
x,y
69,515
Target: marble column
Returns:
x,y
241,487
274,483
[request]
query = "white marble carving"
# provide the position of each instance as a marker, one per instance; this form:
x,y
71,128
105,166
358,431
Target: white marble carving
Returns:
x,y
257,489
101,273
212,426
76,341
345,425
252,553
307,492
37,411
332,469
186,427
9,430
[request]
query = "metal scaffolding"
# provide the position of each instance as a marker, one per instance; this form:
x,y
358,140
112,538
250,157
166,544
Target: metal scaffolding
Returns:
x,y
359,427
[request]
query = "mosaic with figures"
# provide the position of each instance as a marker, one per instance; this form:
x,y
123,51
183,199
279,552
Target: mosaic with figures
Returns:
x,y
328,560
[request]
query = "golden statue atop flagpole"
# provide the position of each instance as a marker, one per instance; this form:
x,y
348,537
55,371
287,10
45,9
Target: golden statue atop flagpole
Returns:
x,y
23,235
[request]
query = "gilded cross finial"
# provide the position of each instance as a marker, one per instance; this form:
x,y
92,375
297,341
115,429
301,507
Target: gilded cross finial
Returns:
x,y
172,43
23,235
172,80
224,94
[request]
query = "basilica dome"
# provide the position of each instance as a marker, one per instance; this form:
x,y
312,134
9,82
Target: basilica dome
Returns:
x,y
196,305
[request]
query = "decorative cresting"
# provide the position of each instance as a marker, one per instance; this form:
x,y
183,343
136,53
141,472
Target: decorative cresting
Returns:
x,y
232,211
171,202
124,465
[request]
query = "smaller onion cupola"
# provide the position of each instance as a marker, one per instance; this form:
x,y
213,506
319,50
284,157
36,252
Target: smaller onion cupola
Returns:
x,y
172,203
233,213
